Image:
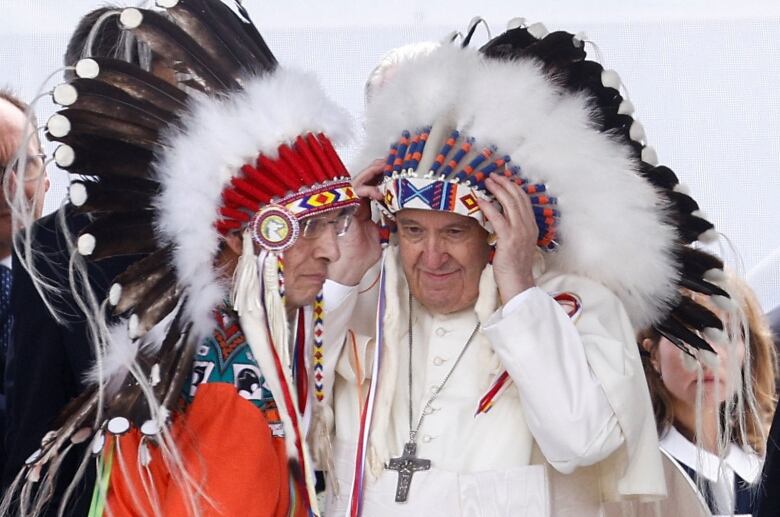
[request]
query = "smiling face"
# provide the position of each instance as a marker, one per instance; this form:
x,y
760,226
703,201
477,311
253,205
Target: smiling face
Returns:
x,y
442,255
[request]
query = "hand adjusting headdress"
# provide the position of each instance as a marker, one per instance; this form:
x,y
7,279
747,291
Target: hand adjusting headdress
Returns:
x,y
215,139
530,105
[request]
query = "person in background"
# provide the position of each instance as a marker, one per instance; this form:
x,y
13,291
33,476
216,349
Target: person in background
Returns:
x,y
19,147
201,397
717,407
51,353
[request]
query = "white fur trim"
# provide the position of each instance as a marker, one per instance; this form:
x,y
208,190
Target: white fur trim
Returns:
x,y
114,294
222,134
715,275
723,303
64,156
65,94
538,30
613,226
86,244
515,23
682,189
715,335
87,68
77,193
649,156
626,107
58,125
131,18
132,326
637,132
709,237
610,79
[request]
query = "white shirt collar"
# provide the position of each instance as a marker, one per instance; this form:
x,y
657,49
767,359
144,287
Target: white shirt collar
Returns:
x,y
744,462
6,261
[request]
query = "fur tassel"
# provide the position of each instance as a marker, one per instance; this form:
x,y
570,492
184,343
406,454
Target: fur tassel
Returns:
x,y
319,438
276,313
246,302
395,321
252,317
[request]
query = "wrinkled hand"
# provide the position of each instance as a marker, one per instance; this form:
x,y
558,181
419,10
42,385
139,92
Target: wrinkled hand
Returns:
x,y
516,234
360,247
365,183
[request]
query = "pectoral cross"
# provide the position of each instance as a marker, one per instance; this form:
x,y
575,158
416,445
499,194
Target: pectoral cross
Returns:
x,y
406,466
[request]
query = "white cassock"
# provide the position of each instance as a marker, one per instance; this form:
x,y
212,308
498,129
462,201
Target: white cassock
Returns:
x,y
574,428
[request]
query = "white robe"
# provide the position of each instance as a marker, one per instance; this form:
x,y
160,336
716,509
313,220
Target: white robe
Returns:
x,y
578,398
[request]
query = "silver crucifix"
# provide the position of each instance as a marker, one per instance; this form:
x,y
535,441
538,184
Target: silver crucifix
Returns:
x,y
406,466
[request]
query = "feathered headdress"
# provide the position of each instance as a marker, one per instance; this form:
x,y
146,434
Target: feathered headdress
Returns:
x,y
530,105
216,138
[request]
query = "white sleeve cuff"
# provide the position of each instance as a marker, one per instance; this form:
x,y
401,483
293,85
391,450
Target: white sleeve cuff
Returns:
x,y
518,300
335,294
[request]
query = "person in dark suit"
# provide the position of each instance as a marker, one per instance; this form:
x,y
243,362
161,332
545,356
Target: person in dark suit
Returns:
x,y
774,322
48,359
49,356
769,496
20,148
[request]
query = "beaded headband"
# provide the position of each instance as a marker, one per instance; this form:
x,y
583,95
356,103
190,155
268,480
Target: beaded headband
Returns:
x,y
452,179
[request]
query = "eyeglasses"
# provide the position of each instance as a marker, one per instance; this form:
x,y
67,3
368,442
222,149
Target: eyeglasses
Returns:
x,y
313,227
33,167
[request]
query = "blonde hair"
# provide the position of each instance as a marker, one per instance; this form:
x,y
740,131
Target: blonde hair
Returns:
x,y
760,387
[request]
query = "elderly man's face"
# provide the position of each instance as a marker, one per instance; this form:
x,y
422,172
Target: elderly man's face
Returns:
x,y
443,255
34,179
306,262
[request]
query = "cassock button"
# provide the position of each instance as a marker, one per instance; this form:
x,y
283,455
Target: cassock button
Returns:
x,y
440,332
438,361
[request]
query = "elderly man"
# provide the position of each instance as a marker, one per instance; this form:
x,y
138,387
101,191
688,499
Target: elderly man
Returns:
x,y
502,377
204,392
51,352
17,133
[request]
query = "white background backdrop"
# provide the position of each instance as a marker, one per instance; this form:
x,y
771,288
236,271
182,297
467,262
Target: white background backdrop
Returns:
x,y
703,75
